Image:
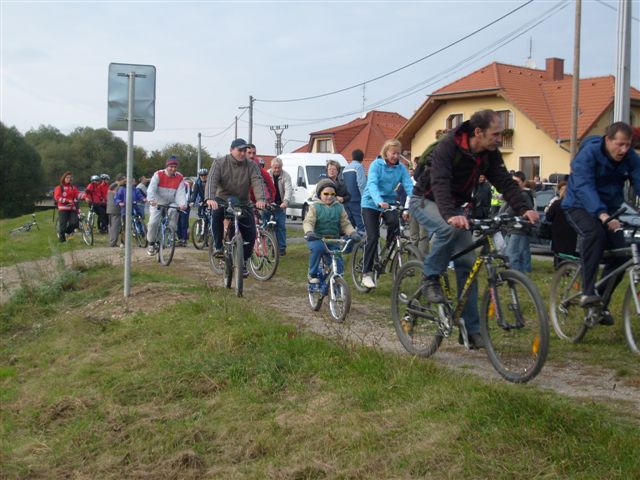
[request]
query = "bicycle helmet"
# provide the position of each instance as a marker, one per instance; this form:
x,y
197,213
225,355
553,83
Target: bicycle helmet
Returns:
x,y
104,176
203,171
95,178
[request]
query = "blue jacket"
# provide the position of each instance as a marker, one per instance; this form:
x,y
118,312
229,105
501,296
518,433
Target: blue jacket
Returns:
x,y
596,183
382,182
355,180
138,198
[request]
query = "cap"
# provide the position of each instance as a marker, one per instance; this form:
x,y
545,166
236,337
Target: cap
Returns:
x,y
239,143
172,160
324,183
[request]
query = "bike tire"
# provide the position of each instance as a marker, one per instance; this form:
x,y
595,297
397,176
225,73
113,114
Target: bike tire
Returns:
x,y
198,234
357,262
517,346
265,256
420,334
140,233
167,246
631,318
339,299
87,233
408,253
315,298
567,316
217,264
238,263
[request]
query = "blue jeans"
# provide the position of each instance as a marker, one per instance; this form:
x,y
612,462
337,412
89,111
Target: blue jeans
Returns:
x,y
280,217
445,242
316,249
355,215
519,252
183,225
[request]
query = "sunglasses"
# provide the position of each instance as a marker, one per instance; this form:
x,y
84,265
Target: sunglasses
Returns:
x,y
329,194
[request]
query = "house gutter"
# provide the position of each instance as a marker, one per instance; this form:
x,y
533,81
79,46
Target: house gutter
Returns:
x,y
559,142
481,90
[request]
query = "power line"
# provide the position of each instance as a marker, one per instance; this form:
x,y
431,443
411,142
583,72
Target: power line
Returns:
x,y
611,7
400,68
226,129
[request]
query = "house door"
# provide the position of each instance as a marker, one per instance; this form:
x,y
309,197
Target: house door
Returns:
x,y
530,166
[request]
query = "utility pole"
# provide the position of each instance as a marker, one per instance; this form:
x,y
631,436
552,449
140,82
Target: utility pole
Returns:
x,y
235,135
278,129
621,103
576,81
250,119
199,153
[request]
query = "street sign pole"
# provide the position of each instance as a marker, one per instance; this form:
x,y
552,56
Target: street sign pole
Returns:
x,y
129,201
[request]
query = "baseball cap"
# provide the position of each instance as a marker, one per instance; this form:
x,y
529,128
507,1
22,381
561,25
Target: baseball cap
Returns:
x,y
239,143
172,160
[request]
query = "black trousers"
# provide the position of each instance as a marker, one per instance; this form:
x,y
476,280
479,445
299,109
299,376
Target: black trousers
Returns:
x,y
594,239
371,219
68,222
247,229
103,218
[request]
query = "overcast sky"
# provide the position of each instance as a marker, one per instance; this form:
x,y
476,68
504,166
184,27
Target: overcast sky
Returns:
x,y
210,56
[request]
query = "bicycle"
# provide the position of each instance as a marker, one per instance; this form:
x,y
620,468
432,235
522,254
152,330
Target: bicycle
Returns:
x,y
85,225
331,283
231,263
201,231
513,318
395,255
138,229
27,226
571,321
266,254
165,236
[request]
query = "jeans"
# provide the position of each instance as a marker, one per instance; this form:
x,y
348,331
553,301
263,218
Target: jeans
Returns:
x,y
445,242
317,250
247,229
280,217
183,225
518,250
355,215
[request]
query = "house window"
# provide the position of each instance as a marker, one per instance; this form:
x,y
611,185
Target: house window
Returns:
x,y
506,118
454,120
530,166
324,146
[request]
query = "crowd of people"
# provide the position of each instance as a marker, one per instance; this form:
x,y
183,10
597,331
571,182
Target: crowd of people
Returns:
x,y
458,177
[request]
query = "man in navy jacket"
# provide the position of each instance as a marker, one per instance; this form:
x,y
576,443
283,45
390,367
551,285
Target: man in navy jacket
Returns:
x,y
595,191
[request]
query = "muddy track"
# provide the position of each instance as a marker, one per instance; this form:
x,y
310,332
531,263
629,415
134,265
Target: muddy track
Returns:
x,y
367,325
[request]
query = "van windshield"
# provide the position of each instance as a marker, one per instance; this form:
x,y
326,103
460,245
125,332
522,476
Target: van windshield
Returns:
x,y
314,172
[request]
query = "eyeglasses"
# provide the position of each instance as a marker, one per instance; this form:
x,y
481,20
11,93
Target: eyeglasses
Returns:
x,y
329,194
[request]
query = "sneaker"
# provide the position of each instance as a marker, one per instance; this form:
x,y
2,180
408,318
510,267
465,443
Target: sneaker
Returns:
x,y
245,271
367,281
283,253
432,290
475,341
606,319
218,252
313,280
588,300
151,251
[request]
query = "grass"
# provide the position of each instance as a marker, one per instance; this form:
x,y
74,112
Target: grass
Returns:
x,y
217,387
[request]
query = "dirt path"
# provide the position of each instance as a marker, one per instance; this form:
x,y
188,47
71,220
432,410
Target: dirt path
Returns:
x,y
367,325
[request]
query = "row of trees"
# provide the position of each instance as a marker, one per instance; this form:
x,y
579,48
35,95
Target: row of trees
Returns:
x,y
32,164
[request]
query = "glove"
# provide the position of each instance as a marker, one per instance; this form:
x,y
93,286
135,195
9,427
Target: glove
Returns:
x,y
355,236
309,236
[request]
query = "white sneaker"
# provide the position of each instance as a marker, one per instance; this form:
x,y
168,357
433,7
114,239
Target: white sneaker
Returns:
x,y
151,251
367,281
313,280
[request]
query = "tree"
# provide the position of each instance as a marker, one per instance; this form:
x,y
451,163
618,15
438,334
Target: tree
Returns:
x,y
187,156
21,181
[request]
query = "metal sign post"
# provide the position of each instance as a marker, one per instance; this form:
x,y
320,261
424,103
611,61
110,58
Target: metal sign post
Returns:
x,y
140,115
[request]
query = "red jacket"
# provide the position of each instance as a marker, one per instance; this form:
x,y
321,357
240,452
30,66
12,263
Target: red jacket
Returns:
x,y
66,197
270,191
103,187
95,193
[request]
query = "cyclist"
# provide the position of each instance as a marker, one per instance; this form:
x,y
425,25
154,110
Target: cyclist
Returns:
x,y
270,191
445,180
66,196
284,194
384,175
120,199
166,187
96,198
595,191
232,176
326,218
197,193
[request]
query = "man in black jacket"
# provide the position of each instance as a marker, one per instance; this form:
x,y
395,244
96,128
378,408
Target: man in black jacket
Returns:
x,y
443,187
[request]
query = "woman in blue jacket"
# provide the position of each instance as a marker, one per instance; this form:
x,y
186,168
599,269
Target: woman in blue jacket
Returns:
x,y
385,173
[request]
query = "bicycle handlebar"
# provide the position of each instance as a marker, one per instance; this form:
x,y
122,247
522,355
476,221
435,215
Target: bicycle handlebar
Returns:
x,y
336,241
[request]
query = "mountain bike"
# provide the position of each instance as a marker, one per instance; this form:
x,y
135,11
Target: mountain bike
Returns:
x,y
85,224
571,321
27,226
138,229
265,255
513,318
394,255
331,283
201,231
165,236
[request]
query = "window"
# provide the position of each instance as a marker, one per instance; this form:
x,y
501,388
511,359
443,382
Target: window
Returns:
x,y
454,120
530,166
506,117
323,146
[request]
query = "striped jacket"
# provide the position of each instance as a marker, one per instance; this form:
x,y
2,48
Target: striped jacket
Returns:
x,y
165,189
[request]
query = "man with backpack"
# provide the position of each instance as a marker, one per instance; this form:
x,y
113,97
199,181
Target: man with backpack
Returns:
x,y
445,180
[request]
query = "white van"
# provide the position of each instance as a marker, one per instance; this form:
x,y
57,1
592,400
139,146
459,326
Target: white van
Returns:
x,y
305,170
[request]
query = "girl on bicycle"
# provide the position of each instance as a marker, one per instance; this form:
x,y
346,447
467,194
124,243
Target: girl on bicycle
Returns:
x,y
385,173
66,196
326,218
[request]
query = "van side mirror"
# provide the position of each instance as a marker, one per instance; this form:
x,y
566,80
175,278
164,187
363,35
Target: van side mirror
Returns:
x,y
301,182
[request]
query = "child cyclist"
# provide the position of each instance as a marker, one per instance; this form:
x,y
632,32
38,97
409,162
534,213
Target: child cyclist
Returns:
x,y
326,218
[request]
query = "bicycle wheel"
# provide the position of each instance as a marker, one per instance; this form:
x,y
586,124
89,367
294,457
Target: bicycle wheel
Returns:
x,y
409,252
167,246
265,256
339,299
567,316
631,317
87,232
238,264
315,296
514,327
217,264
417,322
357,262
198,234
140,233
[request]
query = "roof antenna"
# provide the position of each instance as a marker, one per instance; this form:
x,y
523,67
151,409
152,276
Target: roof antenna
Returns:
x,y
530,62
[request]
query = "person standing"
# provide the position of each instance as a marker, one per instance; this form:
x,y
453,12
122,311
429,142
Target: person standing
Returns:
x,y
482,198
284,193
113,210
183,218
563,237
518,247
66,196
355,181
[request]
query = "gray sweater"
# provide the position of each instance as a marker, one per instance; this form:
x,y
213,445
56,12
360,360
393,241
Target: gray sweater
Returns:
x,y
231,178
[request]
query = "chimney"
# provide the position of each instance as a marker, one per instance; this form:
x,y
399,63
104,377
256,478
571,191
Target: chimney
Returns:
x,y
554,69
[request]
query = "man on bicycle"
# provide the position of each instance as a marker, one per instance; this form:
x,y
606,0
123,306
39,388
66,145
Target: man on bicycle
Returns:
x,y
197,193
232,176
445,180
165,188
595,191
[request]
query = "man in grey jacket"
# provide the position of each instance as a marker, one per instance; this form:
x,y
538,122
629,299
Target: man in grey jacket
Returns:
x,y
230,177
284,193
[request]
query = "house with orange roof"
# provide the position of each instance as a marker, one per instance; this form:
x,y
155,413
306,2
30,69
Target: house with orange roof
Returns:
x,y
367,133
535,107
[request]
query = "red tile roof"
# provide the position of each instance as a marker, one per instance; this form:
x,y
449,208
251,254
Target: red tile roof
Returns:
x,y
546,102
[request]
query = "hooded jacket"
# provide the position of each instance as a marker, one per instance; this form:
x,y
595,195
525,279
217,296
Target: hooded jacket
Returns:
x,y
382,182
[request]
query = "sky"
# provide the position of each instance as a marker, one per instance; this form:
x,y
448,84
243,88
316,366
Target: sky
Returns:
x,y
211,56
